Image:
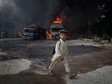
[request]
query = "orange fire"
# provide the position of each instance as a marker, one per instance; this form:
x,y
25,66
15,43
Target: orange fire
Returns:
x,y
58,20
48,35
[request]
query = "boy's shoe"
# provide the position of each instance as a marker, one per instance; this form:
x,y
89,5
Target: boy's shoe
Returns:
x,y
72,76
51,73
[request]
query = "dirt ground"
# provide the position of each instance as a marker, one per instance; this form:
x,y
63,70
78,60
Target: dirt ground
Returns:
x,y
88,62
84,57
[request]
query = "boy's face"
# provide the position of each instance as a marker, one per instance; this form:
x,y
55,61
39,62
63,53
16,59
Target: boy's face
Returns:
x,y
63,36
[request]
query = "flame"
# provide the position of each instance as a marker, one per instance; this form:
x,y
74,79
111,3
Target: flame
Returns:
x,y
58,20
48,35
20,34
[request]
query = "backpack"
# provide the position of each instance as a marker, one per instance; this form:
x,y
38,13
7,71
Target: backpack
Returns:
x,y
53,52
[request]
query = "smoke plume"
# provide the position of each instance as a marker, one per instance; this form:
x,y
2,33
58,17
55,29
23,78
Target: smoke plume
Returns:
x,y
17,14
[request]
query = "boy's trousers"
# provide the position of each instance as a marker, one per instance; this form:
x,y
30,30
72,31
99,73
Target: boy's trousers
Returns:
x,y
66,64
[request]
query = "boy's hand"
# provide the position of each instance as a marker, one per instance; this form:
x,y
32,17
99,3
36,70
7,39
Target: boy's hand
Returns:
x,y
61,58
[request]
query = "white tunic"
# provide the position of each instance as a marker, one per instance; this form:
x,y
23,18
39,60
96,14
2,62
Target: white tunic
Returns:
x,y
61,49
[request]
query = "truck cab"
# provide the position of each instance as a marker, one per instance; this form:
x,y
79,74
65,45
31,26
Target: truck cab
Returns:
x,y
34,32
55,30
29,33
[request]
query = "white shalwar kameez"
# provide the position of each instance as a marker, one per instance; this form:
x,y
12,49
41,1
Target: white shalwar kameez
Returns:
x,y
61,49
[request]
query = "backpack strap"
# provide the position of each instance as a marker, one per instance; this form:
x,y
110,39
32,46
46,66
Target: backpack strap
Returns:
x,y
59,44
53,52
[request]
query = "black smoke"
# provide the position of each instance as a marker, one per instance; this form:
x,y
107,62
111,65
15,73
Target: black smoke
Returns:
x,y
17,14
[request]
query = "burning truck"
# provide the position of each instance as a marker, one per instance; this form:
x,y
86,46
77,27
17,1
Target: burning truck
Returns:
x,y
55,27
34,32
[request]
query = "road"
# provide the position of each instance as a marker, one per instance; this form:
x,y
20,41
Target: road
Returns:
x,y
85,56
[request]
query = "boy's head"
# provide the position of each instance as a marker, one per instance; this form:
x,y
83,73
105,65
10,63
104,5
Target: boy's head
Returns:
x,y
63,34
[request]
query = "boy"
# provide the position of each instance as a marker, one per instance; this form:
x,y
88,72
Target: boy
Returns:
x,y
61,54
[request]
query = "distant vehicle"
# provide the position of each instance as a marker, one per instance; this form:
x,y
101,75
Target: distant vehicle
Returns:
x,y
55,30
29,33
33,32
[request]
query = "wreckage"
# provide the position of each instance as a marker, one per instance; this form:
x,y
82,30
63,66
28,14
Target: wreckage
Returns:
x,y
55,27
34,32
